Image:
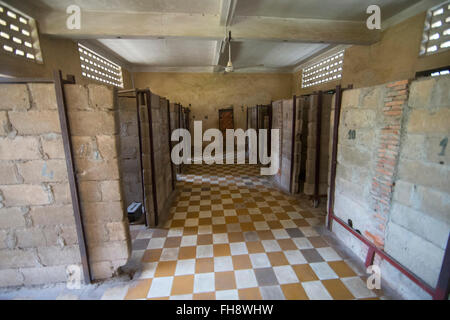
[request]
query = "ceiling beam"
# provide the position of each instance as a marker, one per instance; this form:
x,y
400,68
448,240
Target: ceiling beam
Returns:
x,y
217,52
157,25
227,10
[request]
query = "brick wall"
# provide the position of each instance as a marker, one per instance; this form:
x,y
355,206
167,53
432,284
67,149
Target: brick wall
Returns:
x,y
37,229
396,96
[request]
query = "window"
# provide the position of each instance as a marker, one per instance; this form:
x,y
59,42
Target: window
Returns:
x,y
18,34
444,71
326,70
97,67
436,34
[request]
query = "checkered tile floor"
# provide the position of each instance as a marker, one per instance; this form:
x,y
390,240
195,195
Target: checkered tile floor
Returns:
x,y
231,235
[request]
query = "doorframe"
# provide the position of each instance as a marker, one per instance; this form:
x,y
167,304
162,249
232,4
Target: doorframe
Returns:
x,y
226,110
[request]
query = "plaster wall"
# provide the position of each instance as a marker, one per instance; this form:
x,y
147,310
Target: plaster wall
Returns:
x,y
395,57
209,92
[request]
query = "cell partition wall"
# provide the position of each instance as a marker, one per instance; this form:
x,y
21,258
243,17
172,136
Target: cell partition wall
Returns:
x,y
317,154
301,146
304,124
58,148
151,169
391,180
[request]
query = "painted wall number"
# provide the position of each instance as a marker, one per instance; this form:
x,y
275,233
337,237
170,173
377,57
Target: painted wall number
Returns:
x,y
443,144
351,134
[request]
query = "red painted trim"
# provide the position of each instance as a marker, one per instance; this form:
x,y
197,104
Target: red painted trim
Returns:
x,y
422,284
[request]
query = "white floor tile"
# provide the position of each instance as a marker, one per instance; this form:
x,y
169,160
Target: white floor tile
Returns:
x,y
185,267
188,241
280,234
316,291
169,254
220,238
223,264
148,270
160,287
175,232
156,243
302,243
227,295
323,271
245,279
285,274
260,260
295,257
205,251
238,248
358,287
271,245
204,282
328,254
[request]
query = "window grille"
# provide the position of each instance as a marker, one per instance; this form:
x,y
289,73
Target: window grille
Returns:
x,y
326,70
18,34
99,68
436,34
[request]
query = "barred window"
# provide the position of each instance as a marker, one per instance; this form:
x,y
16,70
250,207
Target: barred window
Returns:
x,y
326,70
99,68
18,34
436,34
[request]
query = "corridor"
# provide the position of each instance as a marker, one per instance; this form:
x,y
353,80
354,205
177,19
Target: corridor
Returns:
x,y
233,236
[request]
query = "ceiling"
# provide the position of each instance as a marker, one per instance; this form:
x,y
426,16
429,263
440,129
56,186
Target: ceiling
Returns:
x,y
163,52
277,55
158,34
167,6
349,10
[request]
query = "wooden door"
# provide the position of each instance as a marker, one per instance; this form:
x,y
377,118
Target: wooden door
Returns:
x,y
226,120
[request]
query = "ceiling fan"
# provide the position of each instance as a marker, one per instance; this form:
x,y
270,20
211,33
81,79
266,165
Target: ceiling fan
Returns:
x,y
229,68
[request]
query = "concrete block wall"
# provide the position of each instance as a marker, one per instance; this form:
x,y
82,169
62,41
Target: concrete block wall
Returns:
x,y
38,238
129,151
94,120
392,176
419,222
360,128
308,187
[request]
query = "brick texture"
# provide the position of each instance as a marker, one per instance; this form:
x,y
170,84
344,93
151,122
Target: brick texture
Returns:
x,y
388,155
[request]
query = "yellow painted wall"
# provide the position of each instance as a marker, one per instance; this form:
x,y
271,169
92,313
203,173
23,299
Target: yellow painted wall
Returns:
x,y
209,92
58,54
395,57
